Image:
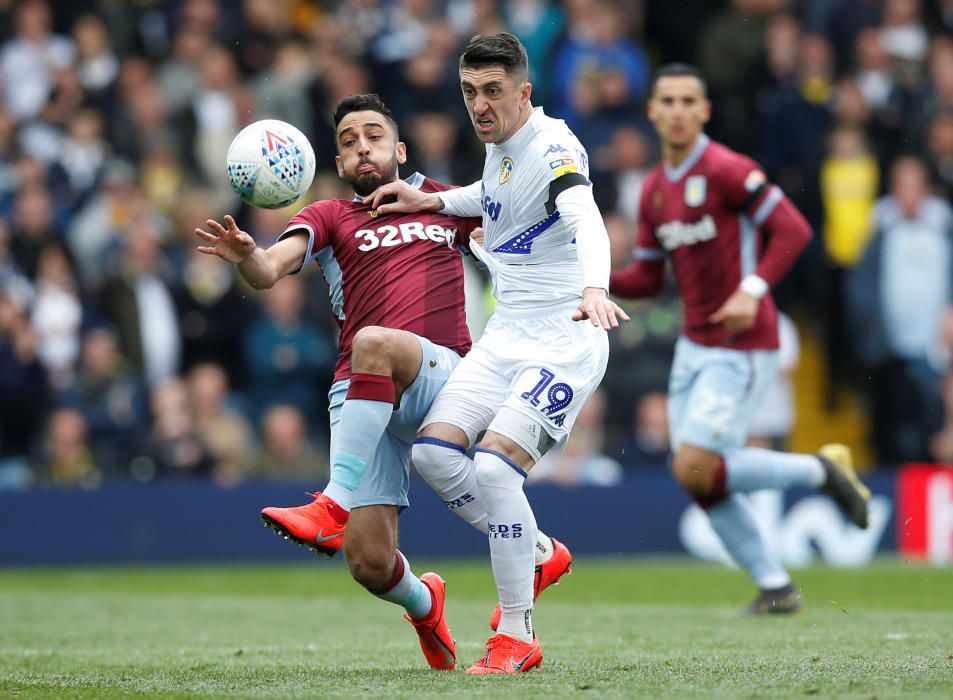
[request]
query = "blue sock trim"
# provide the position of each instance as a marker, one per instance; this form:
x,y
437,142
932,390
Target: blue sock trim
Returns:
x,y
347,470
440,443
502,457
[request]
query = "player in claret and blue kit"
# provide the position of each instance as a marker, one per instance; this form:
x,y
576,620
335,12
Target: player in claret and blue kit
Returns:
x,y
396,286
730,235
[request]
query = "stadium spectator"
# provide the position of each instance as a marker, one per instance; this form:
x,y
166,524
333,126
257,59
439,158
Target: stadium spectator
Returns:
x,y
732,49
56,315
219,425
288,360
13,283
940,153
898,294
67,459
97,65
94,232
179,75
29,61
598,74
625,161
34,227
281,91
138,302
174,448
537,24
286,453
212,309
24,395
113,400
850,182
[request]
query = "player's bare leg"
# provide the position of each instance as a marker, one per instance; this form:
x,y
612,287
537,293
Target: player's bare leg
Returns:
x,y
501,468
701,473
377,564
718,481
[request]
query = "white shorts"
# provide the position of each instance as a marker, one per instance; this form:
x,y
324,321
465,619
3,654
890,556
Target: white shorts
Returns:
x,y
526,378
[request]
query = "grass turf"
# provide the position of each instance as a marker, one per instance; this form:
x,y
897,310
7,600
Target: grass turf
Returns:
x,y
615,628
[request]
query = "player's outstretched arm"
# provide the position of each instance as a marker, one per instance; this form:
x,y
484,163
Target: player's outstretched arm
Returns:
x,y
601,311
259,267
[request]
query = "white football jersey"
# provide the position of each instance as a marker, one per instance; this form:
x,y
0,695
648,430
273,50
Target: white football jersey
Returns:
x,y
530,253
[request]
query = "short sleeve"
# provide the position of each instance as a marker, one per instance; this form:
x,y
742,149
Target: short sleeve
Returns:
x,y
318,220
739,178
561,156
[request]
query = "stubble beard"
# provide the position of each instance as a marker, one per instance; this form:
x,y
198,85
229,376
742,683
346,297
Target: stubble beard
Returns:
x,y
365,183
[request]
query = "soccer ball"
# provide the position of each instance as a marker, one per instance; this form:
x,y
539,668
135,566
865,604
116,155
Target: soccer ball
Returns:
x,y
270,164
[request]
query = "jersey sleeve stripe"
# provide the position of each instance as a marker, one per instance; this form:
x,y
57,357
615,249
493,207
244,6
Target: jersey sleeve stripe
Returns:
x,y
648,254
560,185
767,206
334,276
749,246
307,253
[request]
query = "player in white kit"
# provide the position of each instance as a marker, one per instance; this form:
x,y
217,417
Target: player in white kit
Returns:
x,y
524,382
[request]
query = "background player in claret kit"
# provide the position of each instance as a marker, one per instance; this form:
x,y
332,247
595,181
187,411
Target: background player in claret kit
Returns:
x,y
705,207
396,285
526,379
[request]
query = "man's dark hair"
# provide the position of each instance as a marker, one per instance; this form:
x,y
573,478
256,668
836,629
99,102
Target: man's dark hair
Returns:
x,y
501,49
674,70
361,103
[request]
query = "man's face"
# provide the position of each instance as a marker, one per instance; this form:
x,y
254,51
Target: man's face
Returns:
x,y
679,109
495,101
368,151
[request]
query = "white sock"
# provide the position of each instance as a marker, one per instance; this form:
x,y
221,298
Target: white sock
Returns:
x,y
406,590
544,547
734,522
512,536
452,475
753,468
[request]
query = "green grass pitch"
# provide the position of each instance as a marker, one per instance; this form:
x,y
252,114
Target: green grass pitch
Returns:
x,y
615,628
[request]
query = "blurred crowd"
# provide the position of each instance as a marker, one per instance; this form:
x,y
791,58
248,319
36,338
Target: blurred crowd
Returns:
x,y
126,355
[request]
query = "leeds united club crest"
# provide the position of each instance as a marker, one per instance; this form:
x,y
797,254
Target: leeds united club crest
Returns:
x,y
506,169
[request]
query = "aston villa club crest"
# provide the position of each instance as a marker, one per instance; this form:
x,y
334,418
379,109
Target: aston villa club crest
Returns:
x,y
506,169
695,190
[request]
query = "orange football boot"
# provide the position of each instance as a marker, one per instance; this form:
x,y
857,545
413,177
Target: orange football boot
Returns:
x,y
318,525
435,639
547,574
505,654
